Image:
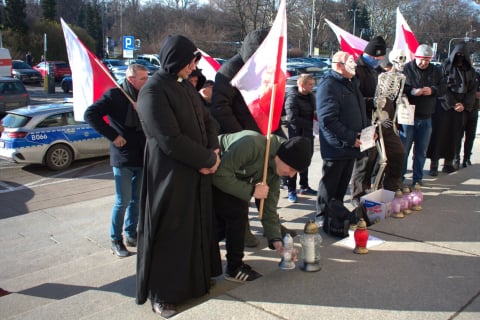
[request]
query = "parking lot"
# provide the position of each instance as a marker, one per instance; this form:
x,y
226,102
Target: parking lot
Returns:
x,y
39,95
44,187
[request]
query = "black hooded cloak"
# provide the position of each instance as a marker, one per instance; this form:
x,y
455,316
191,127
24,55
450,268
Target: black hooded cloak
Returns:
x,y
177,253
447,124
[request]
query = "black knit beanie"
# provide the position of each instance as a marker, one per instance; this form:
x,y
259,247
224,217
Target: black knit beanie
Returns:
x,y
176,52
296,152
376,47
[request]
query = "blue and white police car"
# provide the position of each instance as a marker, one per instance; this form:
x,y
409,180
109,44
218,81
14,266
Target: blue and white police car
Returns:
x,y
49,135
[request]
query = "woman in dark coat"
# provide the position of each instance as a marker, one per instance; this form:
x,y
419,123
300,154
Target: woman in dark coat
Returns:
x,y
177,253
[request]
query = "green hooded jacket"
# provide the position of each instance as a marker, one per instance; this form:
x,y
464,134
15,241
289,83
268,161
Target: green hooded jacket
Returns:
x,y
241,168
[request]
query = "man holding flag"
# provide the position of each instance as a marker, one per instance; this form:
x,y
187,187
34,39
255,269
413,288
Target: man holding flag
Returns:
x,y
367,71
249,89
239,177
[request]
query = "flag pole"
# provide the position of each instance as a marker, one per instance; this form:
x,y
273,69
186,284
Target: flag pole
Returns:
x,y
267,148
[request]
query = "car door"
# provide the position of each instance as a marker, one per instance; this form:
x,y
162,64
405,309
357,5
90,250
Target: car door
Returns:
x,y
86,141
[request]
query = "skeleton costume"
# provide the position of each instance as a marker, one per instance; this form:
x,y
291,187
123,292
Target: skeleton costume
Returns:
x,y
388,97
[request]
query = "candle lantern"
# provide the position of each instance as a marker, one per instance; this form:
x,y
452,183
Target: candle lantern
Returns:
x,y
397,205
361,237
288,254
310,241
417,197
406,201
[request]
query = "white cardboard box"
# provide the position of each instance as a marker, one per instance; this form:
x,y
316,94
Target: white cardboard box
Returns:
x,y
378,204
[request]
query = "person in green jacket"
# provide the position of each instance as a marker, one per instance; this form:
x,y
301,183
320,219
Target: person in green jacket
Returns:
x,y
239,178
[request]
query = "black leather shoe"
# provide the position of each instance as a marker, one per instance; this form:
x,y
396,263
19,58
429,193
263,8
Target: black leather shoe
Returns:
x,y
119,249
448,168
165,310
131,241
433,172
456,164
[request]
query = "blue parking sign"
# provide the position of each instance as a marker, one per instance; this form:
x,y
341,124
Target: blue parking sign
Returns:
x,y
128,42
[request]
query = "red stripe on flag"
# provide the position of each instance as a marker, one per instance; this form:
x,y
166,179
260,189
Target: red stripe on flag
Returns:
x,y
351,50
214,63
412,42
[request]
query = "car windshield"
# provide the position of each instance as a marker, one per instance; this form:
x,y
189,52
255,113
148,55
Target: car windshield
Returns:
x,y
12,87
12,120
20,65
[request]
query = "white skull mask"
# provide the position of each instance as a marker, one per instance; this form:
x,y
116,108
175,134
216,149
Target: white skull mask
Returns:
x,y
398,58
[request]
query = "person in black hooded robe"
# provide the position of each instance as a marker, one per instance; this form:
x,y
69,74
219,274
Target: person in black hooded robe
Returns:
x,y
452,107
177,250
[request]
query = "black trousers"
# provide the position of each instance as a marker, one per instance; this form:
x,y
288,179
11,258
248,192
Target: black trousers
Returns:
x,y
231,215
363,172
470,120
395,152
334,182
292,182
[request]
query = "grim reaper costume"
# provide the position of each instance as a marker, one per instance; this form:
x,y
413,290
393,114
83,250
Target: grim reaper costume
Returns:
x,y
448,123
177,250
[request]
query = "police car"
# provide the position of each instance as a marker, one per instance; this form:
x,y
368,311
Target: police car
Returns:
x,y
49,135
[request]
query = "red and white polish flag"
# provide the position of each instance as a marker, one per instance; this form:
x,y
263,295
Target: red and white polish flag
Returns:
x,y
404,37
90,78
348,42
208,65
265,70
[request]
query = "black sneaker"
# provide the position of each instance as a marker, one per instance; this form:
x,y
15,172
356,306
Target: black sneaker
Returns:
x,y
307,191
119,249
131,241
243,274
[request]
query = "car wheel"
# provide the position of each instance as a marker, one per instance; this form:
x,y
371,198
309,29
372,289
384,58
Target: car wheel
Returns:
x,y
59,157
65,88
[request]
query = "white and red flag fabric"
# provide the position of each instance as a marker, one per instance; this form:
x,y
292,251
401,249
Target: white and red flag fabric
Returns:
x,y
404,37
264,75
90,78
348,42
208,65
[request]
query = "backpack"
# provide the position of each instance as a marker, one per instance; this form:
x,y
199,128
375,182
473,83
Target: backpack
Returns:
x,y
338,218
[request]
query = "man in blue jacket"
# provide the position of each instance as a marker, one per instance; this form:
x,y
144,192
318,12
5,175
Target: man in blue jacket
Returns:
x,y
126,153
341,117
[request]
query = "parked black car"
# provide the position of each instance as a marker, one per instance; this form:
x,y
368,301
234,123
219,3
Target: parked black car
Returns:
x,y
24,72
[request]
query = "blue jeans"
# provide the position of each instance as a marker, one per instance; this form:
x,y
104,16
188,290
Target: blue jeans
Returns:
x,y
419,134
128,182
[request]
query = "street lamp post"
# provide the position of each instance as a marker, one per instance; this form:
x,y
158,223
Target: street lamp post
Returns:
x,y
354,18
310,51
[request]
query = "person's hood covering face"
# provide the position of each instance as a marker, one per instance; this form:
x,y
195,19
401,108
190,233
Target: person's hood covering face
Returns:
x,y
177,52
457,62
459,56
251,43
